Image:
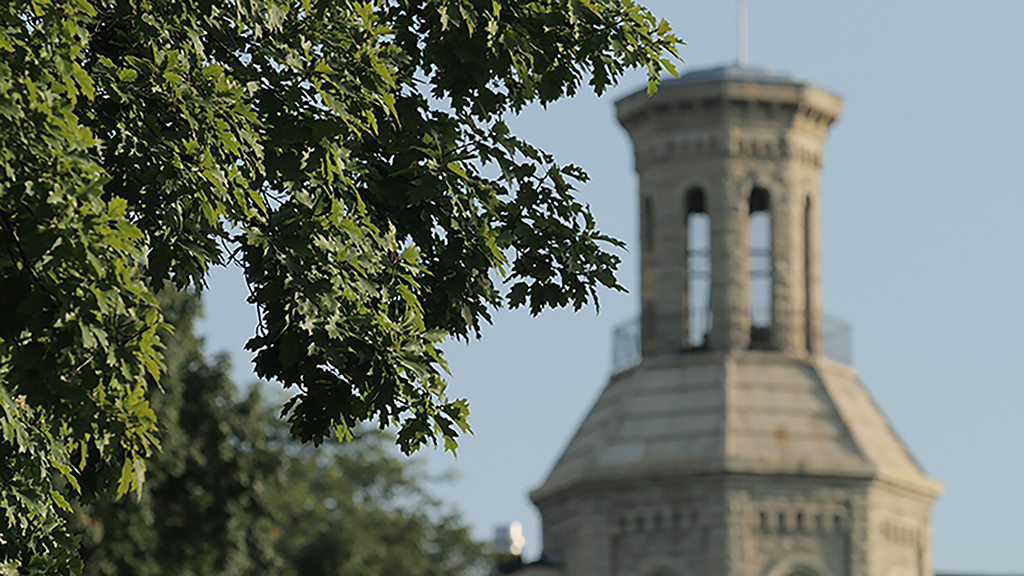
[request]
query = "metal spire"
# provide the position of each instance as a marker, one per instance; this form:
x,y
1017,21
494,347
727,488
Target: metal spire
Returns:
x,y
741,33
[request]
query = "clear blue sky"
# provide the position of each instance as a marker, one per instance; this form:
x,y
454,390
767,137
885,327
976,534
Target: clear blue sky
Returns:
x,y
923,205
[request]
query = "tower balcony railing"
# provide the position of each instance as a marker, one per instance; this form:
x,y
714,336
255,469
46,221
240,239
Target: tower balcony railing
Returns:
x,y
627,350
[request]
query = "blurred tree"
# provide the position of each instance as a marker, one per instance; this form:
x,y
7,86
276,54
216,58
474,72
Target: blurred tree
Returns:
x,y
232,493
356,509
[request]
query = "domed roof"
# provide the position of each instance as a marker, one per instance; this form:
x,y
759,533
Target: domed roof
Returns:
x,y
736,73
731,82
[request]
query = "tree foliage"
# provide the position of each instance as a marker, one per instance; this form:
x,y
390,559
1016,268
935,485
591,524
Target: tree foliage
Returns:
x,y
232,493
204,506
350,154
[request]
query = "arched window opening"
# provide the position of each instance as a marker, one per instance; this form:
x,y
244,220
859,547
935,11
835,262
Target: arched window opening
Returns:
x,y
760,242
808,281
647,249
698,266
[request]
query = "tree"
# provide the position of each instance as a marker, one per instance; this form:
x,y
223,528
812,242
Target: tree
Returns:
x,y
204,506
352,155
232,493
364,512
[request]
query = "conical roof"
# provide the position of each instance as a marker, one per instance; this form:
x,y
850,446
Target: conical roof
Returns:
x,y
744,412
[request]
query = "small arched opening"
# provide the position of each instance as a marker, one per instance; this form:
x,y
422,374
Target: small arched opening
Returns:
x,y
698,269
760,263
801,565
647,249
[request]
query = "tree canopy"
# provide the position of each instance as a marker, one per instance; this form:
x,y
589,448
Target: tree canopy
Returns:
x,y
231,492
351,155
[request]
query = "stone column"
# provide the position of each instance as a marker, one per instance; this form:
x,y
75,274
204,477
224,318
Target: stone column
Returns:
x,y
788,323
669,252
738,541
730,275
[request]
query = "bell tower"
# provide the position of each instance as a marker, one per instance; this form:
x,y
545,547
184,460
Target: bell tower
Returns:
x,y
729,163
734,446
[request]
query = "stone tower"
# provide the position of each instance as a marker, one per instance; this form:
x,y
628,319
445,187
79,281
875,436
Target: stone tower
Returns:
x,y
735,446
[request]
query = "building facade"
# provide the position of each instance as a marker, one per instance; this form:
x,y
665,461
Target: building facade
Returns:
x,y
735,446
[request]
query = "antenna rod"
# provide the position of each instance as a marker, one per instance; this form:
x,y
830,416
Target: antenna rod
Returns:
x,y
741,33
